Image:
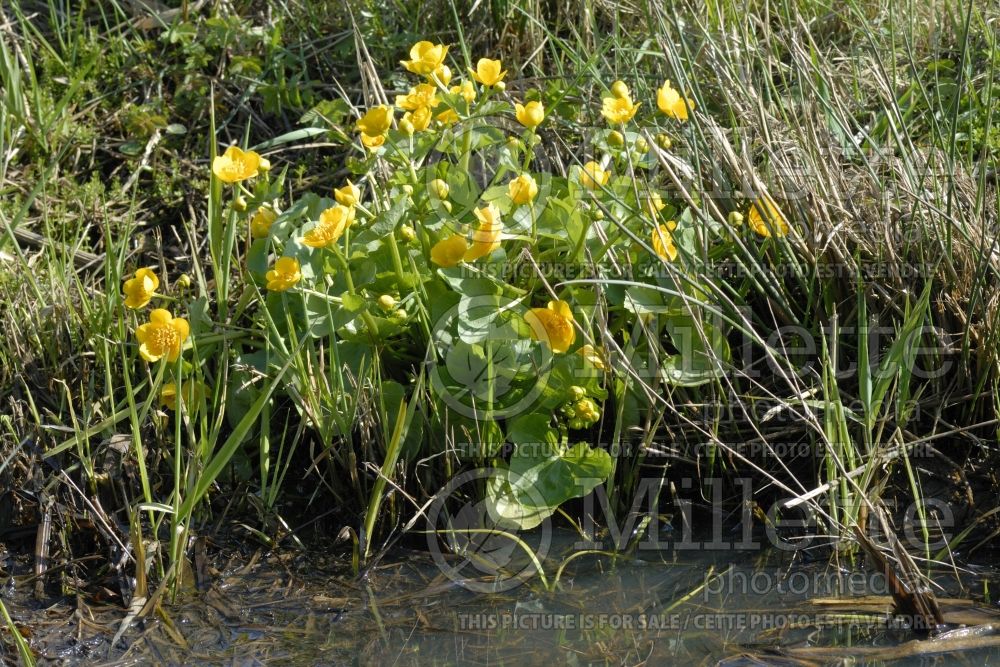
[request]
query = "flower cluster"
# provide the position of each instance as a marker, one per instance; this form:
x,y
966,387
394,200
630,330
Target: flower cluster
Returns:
x,y
416,231
581,411
163,336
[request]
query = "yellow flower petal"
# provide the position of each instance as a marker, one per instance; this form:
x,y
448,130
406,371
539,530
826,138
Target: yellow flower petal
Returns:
x,y
593,177
663,242
423,95
330,227
766,218
376,121
592,356
450,251
619,109
466,90
488,72
425,57
163,336
235,165
671,103
285,273
192,395
522,189
553,325
486,238
140,289
260,223
530,115
348,195
371,142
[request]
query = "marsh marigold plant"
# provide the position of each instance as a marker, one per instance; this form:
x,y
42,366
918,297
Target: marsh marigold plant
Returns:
x,y
442,238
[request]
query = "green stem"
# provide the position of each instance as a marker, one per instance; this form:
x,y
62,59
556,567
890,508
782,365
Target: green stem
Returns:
x,y
365,315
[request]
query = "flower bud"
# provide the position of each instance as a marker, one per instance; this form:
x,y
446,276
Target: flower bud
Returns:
x,y
407,233
443,74
501,86
616,139
399,314
735,218
663,141
439,188
184,281
641,145
240,204
619,89
264,165
577,392
408,189
447,205
386,302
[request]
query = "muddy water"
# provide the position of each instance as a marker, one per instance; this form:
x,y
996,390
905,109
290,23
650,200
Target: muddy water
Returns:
x,y
697,607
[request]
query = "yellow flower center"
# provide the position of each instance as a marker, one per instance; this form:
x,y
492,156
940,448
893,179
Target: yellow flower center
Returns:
x,y
163,339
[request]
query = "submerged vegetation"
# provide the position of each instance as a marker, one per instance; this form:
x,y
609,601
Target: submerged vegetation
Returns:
x,y
294,271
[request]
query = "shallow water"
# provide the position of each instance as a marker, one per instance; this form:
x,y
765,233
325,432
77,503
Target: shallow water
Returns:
x,y
697,607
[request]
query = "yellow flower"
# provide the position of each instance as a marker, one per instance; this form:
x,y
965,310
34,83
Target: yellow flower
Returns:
x,y
663,242
466,90
348,195
552,325
522,189
332,223
376,121
423,95
592,356
420,119
620,89
619,109
140,289
260,223
425,58
488,72
447,117
765,218
654,203
593,177
488,215
193,392
450,251
486,238
284,274
371,142
671,103
163,336
442,74
530,115
235,165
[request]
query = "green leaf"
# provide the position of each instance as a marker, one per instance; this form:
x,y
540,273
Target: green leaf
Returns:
x,y
353,302
289,137
540,478
530,429
696,363
386,222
